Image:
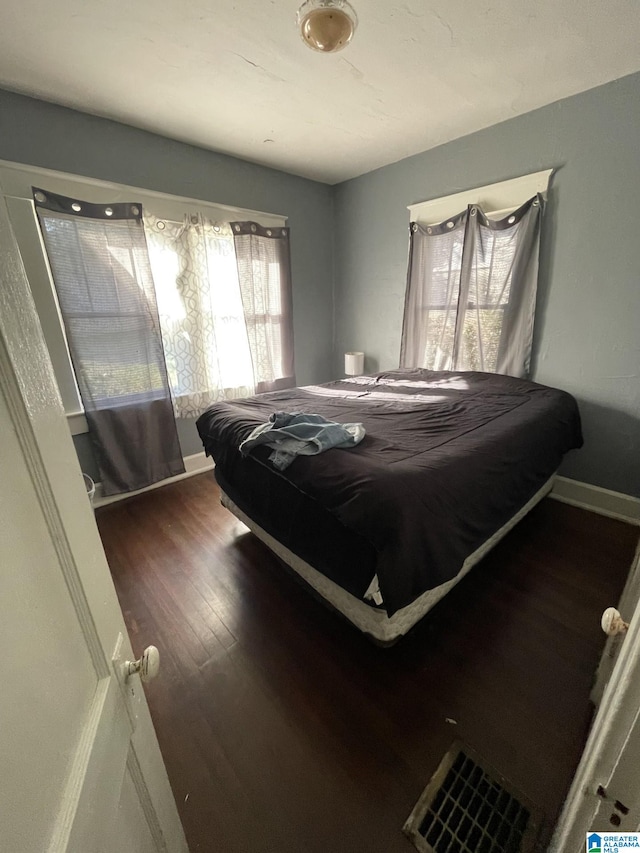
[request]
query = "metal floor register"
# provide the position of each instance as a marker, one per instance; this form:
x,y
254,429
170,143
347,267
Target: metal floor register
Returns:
x,y
467,808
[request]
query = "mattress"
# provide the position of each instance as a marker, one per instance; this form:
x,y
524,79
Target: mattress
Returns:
x,y
447,461
373,621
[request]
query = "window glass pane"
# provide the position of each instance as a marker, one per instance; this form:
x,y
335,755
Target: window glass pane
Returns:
x,y
103,281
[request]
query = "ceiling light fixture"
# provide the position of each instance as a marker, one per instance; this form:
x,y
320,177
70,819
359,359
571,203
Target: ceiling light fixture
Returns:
x,y
327,25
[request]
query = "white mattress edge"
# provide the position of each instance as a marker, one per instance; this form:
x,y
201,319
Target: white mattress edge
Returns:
x,y
369,620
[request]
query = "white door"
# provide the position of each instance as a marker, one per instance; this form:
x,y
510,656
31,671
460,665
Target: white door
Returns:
x,y
605,794
627,604
80,767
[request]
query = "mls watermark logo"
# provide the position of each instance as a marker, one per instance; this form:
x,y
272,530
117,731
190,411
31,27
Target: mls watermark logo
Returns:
x,y
617,842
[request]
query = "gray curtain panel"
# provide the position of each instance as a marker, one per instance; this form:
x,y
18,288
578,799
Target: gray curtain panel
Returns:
x,y
471,292
100,266
264,274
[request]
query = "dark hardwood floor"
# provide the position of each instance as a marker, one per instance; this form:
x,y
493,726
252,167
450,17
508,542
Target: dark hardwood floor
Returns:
x,y
283,729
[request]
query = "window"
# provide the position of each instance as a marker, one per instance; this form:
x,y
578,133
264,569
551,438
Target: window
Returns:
x,y
225,308
16,182
104,285
472,279
100,265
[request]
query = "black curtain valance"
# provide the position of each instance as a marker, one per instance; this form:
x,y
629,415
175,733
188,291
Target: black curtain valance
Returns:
x,y
55,203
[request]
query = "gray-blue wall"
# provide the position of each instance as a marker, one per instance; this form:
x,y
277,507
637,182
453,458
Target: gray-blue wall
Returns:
x,y
587,337
589,299
42,134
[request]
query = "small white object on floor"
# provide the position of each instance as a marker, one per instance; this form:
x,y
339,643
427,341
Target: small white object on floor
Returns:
x,y
186,798
450,721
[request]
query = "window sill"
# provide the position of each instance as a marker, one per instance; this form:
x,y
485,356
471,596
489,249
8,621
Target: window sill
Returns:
x,y
77,423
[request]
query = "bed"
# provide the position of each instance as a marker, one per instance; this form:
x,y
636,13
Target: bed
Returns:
x,y
450,462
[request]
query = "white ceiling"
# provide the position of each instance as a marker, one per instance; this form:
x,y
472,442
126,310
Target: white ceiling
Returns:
x,y
236,77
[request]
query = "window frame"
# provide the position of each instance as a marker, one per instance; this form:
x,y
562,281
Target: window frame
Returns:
x,y
496,200
16,182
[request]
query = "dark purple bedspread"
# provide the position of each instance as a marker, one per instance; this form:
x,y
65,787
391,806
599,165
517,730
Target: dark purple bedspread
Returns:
x,y
447,460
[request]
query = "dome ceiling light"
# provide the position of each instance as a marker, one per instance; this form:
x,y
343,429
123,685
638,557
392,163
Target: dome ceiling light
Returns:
x,y
327,25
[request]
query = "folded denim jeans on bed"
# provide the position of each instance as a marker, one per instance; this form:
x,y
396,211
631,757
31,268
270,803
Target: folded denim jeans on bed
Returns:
x,y
292,434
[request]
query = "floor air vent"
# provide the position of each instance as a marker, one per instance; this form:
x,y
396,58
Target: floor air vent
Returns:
x,y
469,808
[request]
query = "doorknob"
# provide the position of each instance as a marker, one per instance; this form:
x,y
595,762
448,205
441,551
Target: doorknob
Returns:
x,y
148,664
612,623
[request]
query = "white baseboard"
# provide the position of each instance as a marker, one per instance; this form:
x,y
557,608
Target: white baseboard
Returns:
x,y
596,499
197,463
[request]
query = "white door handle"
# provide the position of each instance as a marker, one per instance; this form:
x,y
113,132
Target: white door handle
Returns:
x,y
612,623
148,665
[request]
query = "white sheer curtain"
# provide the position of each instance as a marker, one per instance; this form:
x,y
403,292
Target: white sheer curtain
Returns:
x,y
264,273
471,292
204,332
